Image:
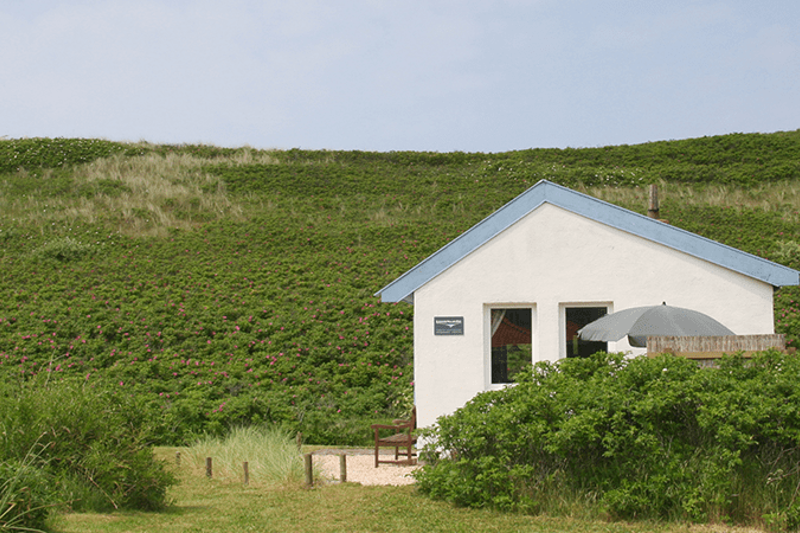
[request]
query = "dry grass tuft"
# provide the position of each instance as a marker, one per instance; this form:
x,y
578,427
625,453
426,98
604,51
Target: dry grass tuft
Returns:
x,y
773,196
143,196
271,455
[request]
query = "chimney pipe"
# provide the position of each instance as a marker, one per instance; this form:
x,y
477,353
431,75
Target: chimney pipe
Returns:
x,y
652,210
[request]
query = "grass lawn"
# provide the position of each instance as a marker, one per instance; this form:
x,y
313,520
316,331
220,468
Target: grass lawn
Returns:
x,y
204,505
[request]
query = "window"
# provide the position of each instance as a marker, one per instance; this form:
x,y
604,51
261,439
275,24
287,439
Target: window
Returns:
x,y
511,343
577,317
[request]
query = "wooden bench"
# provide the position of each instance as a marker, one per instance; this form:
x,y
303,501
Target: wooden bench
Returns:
x,y
402,436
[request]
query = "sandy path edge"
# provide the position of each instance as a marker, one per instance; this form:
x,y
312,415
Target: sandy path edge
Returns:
x,y
361,469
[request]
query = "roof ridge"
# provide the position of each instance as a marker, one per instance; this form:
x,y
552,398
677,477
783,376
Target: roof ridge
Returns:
x,y
544,191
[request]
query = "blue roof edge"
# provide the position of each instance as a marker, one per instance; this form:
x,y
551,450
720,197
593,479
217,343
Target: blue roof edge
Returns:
x,y
403,288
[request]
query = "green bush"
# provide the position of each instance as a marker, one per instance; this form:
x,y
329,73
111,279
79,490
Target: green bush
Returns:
x,y
94,443
646,438
37,153
26,497
64,249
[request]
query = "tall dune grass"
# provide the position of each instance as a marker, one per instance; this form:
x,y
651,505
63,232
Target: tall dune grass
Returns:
x,y
25,500
768,196
271,455
143,195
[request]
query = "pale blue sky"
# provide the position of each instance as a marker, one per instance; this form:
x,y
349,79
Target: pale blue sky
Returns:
x,y
476,76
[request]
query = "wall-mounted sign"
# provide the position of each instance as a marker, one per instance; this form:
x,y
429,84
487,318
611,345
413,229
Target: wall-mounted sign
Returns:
x,y
448,325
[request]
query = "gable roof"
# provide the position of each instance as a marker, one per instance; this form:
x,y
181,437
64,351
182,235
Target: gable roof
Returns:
x,y
402,289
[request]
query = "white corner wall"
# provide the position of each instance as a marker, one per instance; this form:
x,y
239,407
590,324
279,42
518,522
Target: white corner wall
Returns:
x,y
549,260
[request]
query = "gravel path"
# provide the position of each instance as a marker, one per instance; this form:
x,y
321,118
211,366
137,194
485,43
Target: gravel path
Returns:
x,y
361,468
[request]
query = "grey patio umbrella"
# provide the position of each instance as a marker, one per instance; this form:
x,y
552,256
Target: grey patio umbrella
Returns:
x,y
639,322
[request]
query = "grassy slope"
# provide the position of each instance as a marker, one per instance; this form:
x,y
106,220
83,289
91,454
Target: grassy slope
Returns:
x,y
231,286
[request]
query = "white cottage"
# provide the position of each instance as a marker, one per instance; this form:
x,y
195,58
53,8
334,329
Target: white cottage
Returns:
x,y
516,287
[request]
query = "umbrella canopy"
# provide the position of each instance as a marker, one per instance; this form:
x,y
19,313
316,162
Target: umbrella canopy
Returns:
x,y
639,322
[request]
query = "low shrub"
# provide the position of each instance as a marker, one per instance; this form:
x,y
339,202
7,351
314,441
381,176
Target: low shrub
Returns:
x,y
645,438
64,249
36,153
93,446
25,495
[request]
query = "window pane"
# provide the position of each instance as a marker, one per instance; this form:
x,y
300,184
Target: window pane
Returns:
x,y
511,343
577,317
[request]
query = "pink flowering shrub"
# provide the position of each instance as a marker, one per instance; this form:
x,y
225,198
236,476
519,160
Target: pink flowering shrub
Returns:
x,y
268,317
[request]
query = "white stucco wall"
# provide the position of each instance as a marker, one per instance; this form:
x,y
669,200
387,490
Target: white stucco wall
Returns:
x,y
550,260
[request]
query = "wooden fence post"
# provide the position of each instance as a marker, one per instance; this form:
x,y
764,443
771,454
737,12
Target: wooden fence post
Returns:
x,y
309,471
342,468
299,442
178,459
208,467
246,466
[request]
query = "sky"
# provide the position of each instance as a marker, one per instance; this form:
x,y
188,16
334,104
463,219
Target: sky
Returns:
x,y
428,75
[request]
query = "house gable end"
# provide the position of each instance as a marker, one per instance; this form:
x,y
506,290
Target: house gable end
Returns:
x,y
403,288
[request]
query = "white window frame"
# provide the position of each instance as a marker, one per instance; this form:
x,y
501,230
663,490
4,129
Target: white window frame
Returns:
x,y
562,320
487,339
